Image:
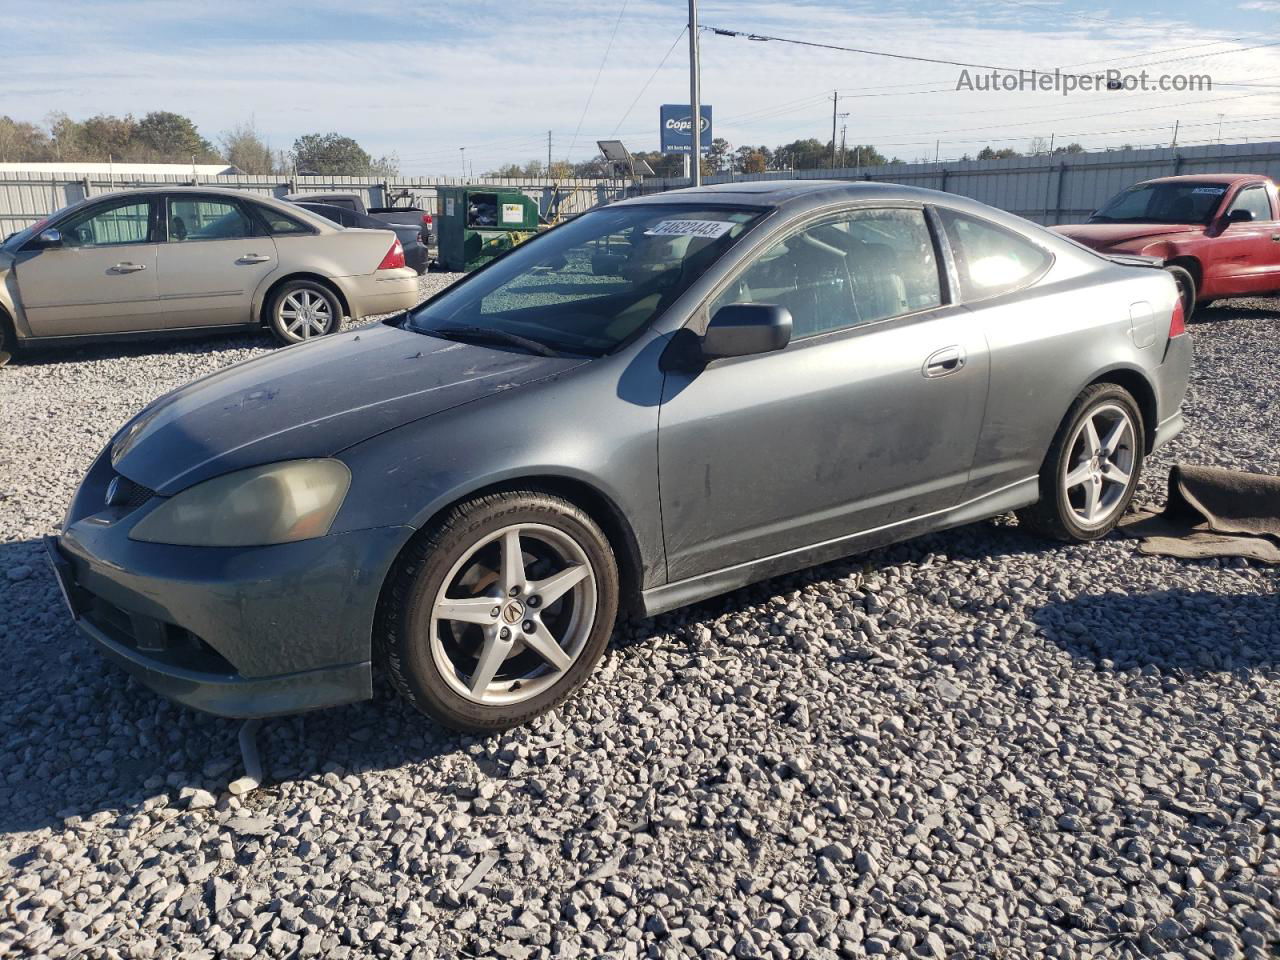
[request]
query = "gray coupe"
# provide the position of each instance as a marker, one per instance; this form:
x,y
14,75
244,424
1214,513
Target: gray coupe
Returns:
x,y
659,401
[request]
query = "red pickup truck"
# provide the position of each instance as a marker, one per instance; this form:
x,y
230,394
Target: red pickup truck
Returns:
x,y
1218,234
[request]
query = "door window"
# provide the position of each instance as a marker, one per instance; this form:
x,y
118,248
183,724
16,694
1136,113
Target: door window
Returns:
x,y
990,259
278,224
866,266
126,221
1255,200
203,218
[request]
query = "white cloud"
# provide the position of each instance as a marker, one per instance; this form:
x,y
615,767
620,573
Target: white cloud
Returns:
x,y
424,81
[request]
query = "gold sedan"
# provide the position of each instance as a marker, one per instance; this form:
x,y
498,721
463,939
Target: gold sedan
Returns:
x,y
140,262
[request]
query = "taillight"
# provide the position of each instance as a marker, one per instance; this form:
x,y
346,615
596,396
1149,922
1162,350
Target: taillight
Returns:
x,y
1178,322
394,258
426,219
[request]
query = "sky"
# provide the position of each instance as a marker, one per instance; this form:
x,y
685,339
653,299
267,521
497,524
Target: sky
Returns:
x,y
424,80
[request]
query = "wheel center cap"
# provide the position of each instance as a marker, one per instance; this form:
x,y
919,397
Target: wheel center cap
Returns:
x,y
513,612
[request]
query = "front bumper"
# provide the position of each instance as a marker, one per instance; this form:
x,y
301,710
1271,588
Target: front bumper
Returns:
x,y
238,632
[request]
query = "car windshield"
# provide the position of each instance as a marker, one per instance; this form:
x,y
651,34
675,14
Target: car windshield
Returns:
x,y
1183,202
591,284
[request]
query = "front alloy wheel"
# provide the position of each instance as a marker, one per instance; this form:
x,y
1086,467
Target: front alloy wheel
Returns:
x,y
513,614
499,610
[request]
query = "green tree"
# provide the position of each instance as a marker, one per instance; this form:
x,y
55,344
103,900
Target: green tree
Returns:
x,y
719,153
164,136
330,154
864,155
106,137
20,140
1004,153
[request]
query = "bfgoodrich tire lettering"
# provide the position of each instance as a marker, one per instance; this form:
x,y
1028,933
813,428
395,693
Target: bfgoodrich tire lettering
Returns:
x,y
1092,468
499,611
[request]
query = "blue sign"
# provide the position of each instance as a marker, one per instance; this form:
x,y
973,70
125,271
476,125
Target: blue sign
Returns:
x,y
677,128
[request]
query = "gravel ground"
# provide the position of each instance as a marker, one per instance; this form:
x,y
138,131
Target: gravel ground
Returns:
x,y
974,744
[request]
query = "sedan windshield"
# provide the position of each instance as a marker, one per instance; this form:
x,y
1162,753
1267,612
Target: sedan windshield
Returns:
x,y
590,285
1183,202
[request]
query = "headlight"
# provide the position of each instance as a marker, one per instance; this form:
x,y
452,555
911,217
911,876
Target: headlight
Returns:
x,y
276,503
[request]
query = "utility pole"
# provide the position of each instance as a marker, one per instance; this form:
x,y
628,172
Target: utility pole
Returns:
x,y
835,105
464,162
695,98
1220,116
548,153
937,150
1175,134
844,131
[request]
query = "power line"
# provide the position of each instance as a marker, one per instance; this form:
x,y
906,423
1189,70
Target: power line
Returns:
x,y
662,63
725,32
603,60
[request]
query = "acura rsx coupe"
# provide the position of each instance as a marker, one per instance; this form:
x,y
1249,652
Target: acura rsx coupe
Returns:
x,y
661,400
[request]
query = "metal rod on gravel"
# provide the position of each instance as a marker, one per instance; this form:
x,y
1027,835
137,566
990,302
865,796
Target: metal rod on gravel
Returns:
x,y
252,760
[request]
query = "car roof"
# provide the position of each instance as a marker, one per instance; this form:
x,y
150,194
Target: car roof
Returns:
x,y
1227,178
313,219
796,196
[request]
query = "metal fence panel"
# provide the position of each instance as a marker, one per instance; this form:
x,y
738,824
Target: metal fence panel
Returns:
x,y
1064,188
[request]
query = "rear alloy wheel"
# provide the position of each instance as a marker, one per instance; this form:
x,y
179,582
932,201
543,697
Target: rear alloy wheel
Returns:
x,y
1186,289
303,310
500,611
1092,468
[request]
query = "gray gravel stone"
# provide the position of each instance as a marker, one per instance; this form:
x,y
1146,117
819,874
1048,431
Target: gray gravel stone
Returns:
x,y
976,744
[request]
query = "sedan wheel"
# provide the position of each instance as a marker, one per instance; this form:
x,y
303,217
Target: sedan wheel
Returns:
x,y
302,310
499,611
1092,467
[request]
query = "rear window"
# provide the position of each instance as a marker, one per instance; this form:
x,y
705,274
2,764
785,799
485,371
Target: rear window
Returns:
x,y
989,259
279,223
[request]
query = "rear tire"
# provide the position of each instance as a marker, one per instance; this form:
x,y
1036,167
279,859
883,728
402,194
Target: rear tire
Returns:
x,y
1186,289
8,342
302,310
499,611
1092,468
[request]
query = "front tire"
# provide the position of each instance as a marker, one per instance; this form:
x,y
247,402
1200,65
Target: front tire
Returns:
x,y
1092,468
302,310
499,611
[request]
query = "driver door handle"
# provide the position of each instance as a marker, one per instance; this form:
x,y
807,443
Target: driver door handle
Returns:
x,y
129,267
253,258
943,362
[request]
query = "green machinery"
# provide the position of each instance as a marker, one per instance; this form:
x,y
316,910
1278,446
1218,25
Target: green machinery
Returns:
x,y
477,223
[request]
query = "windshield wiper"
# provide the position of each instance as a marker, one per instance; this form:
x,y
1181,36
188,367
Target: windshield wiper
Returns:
x,y
490,335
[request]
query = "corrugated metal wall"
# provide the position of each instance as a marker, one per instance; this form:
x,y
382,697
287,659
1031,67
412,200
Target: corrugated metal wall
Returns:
x,y
1048,190
1059,189
27,197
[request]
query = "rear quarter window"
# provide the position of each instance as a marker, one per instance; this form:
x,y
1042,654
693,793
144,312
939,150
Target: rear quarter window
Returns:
x,y
991,260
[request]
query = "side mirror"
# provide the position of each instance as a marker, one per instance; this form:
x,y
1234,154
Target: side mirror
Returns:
x,y
1240,216
49,238
742,329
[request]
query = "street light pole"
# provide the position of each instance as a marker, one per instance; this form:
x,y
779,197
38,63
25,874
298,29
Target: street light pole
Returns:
x,y
695,97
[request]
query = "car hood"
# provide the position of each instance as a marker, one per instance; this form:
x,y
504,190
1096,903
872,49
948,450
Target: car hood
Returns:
x,y
312,400
1101,236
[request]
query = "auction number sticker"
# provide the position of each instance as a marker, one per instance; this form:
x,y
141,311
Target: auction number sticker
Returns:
x,y
1213,190
711,229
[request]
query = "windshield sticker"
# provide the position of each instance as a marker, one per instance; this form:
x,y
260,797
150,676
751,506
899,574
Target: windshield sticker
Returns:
x,y
711,229
1216,191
